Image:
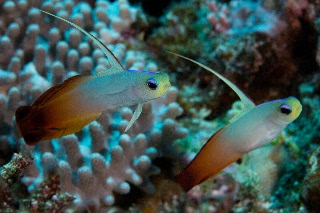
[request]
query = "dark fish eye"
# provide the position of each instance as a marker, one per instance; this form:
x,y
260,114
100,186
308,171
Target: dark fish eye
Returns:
x,y
285,109
152,83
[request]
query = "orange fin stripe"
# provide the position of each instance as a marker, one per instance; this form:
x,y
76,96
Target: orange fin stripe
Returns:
x,y
59,89
187,177
33,129
214,156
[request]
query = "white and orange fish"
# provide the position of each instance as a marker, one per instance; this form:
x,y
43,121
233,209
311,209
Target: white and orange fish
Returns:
x,y
255,127
66,108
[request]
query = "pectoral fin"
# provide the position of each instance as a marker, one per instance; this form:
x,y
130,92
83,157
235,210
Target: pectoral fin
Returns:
x,y
135,116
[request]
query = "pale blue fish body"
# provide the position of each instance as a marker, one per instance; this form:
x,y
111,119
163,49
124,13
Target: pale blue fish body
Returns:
x,y
260,125
67,107
120,89
256,126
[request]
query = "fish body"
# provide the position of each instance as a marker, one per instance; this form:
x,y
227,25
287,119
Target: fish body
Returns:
x,y
117,90
254,128
66,108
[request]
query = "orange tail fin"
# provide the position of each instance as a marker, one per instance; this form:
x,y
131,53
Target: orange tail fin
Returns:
x,y
35,125
24,119
185,180
45,121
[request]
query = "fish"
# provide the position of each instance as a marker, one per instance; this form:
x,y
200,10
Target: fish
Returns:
x,y
255,127
67,107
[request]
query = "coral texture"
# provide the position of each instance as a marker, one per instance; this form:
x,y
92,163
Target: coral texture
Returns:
x,y
37,52
234,38
311,184
101,168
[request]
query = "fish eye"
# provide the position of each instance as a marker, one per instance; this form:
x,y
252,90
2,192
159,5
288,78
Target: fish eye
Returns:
x,y
285,109
152,83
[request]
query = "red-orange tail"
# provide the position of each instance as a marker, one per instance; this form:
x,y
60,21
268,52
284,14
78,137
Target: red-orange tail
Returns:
x,y
48,118
29,122
186,179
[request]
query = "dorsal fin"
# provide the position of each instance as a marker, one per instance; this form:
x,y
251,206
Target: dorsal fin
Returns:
x,y
246,101
114,62
59,89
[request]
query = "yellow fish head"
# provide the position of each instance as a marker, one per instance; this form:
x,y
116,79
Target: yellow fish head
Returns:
x,y
289,109
151,85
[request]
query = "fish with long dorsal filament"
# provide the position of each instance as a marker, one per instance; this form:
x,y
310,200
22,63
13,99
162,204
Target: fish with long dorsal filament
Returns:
x,y
67,107
256,126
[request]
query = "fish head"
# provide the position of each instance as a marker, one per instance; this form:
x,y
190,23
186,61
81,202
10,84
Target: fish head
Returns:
x,y
289,109
150,85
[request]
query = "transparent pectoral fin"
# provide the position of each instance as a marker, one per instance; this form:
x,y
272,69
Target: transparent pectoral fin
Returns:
x,y
135,116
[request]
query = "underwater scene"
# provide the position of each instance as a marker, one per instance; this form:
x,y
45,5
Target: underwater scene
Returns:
x,y
181,106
